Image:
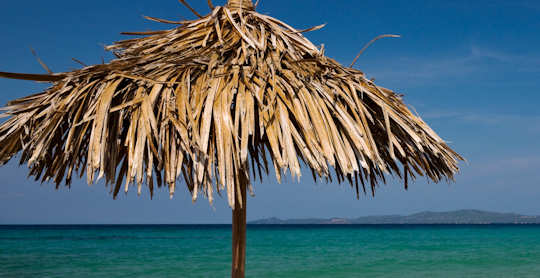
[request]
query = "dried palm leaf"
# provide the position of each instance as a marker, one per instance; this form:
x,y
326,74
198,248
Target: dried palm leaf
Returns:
x,y
204,99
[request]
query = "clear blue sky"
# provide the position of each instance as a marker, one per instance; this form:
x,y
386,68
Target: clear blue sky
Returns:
x,y
470,68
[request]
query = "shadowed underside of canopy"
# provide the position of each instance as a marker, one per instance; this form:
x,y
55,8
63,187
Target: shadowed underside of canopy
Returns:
x,y
219,100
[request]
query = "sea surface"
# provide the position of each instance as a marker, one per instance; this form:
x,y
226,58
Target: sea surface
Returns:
x,y
273,251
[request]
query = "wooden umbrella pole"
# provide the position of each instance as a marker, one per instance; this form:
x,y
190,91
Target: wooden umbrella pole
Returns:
x,y
239,234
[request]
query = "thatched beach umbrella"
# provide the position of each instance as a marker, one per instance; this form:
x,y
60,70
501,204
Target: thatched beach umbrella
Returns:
x,y
218,101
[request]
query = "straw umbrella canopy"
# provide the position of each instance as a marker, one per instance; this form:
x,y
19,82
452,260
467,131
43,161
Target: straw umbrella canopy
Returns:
x,y
219,101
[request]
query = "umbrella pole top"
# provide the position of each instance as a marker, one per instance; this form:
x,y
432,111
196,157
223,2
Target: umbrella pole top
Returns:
x,y
241,4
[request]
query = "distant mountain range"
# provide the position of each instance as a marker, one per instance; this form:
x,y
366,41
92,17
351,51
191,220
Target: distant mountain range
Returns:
x,y
452,217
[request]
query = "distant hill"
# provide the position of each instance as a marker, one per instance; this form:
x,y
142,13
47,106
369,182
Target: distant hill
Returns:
x,y
428,217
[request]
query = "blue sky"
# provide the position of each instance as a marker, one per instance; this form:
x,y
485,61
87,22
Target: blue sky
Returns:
x,y
470,68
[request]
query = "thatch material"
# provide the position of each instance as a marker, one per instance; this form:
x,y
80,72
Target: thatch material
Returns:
x,y
211,100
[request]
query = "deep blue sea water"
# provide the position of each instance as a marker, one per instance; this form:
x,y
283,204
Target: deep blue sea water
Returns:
x,y
273,251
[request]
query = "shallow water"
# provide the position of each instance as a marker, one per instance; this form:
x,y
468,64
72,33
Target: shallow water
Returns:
x,y
273,251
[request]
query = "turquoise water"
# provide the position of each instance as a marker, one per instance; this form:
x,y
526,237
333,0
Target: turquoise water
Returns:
x,y
273,251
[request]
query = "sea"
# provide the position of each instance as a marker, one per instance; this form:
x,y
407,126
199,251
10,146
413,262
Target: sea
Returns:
x,y
272,251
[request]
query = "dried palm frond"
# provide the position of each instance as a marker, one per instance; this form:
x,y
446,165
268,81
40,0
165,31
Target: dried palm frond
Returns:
x,y
211,100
